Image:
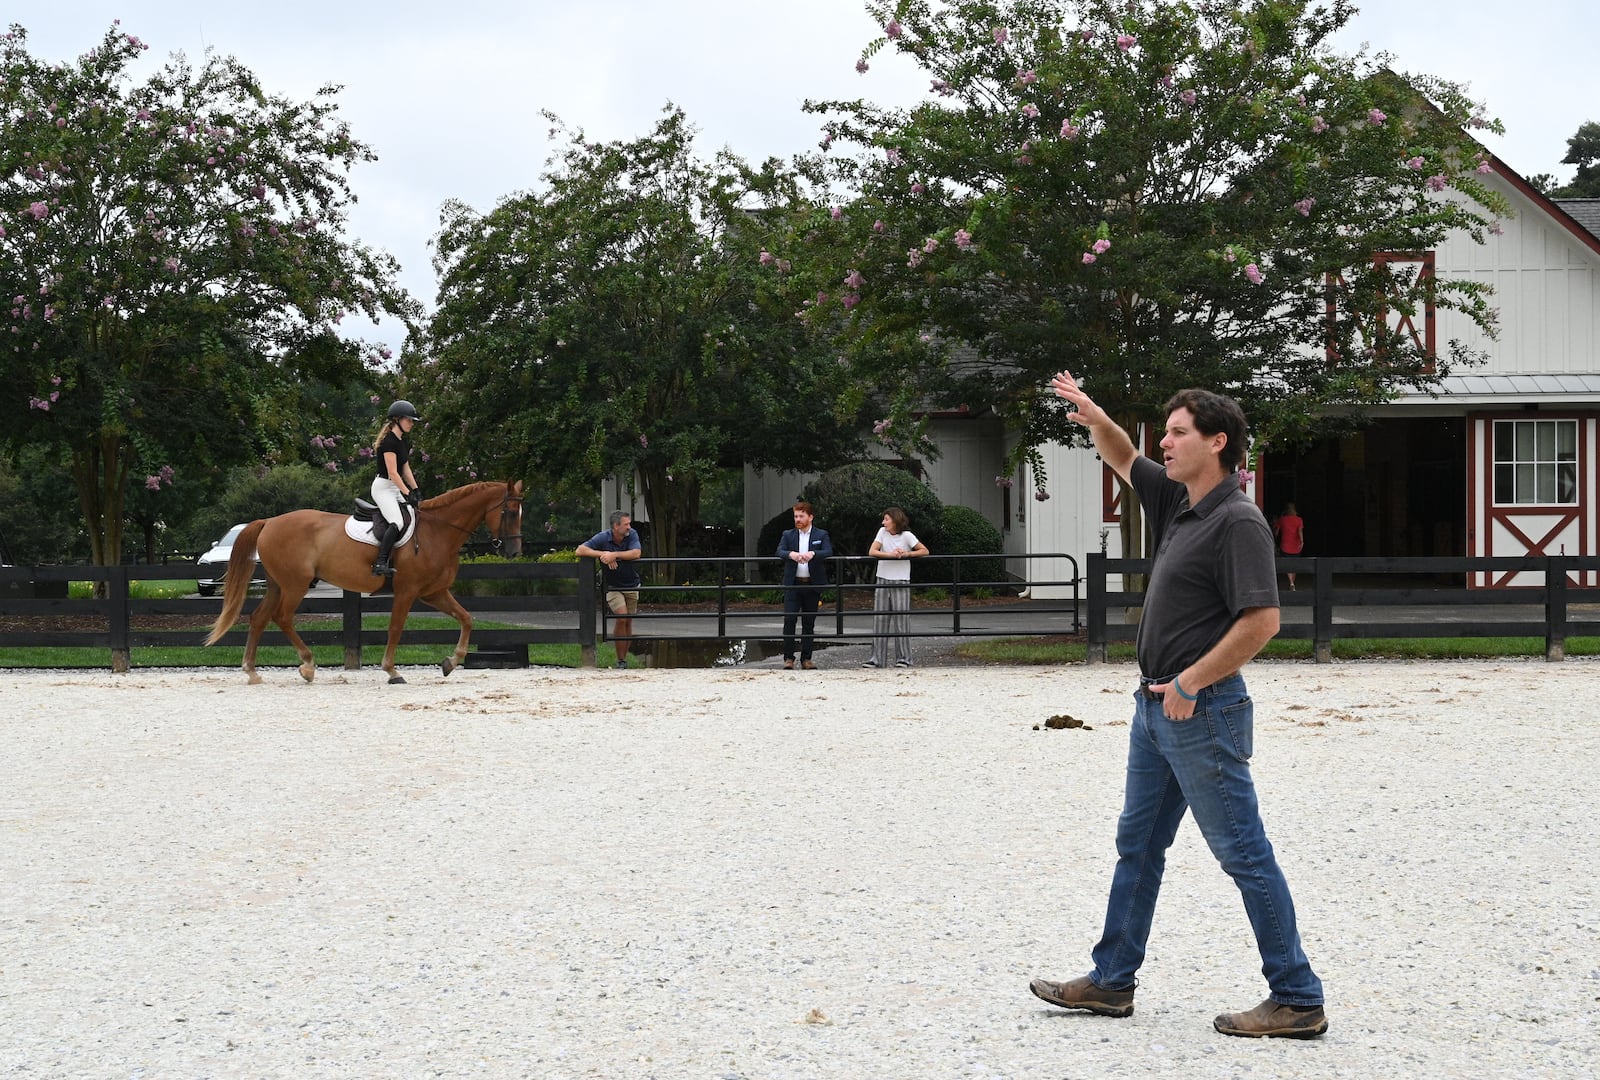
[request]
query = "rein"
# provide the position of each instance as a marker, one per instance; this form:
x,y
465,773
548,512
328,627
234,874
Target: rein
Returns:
x,y
499,537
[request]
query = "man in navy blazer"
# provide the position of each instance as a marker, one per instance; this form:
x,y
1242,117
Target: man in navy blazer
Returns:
x,y
805,551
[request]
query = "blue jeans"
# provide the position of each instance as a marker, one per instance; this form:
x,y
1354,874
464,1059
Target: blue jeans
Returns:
x,y
1200,764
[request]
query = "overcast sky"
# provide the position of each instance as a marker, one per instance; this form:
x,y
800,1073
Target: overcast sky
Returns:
x,y
449,95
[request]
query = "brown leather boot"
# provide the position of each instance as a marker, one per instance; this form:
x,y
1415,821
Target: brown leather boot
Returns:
x,y
1272,1020
1082,993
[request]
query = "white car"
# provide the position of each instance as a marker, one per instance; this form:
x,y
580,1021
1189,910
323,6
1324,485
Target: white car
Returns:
x,y
213,565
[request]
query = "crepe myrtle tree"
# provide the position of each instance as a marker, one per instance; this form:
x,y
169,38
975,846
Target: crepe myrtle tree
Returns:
x,y
621,320
173,263
1153,195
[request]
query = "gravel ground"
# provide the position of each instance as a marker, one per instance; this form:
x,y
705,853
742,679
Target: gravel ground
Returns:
x,y
763,874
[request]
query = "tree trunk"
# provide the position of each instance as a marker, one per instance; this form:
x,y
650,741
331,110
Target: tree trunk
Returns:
x,y
100,473
670,503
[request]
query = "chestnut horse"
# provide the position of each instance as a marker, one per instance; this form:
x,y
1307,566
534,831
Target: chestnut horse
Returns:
x,y
303,546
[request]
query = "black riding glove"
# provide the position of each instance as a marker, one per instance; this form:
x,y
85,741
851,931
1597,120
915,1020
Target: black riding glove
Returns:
x,y
414,497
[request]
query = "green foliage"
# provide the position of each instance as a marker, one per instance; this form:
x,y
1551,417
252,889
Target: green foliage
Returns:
x,y
964,531
767,543
178,245
263,493
1155,195
39,515
851,501
1583,150
619,322
518,586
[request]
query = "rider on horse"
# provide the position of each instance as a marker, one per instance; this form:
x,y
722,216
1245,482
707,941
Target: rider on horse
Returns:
x,y
394,481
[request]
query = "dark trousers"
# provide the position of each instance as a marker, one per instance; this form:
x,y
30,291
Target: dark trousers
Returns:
x,y
802,602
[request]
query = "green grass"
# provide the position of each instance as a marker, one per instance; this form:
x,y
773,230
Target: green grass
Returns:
x,y
327,656
1058,650
139,590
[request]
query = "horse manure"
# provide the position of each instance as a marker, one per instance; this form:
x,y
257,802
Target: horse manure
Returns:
x,y
1056,723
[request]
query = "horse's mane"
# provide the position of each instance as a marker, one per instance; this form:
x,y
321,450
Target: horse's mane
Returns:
x,y
455,495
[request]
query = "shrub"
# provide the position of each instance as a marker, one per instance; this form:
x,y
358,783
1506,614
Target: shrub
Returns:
x,y
964,531
516,586
264,493
767,543
851,499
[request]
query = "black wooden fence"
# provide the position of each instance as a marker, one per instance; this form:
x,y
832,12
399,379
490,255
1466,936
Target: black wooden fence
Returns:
x,y
1344,603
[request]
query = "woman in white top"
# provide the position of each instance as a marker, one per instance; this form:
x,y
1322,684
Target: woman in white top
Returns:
x,y
891,600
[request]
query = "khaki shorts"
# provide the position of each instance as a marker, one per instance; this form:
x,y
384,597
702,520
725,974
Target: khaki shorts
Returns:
x,y
623,603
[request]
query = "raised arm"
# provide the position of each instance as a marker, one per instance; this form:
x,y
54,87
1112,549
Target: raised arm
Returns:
x,y
1112,443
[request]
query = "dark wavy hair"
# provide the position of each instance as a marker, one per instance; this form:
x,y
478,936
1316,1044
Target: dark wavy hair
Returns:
x,y
1216,414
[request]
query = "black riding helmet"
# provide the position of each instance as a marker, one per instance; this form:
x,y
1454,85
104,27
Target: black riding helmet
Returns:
x,y
403,408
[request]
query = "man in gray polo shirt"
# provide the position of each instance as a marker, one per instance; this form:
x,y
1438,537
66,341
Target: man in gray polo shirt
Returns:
x,y
1210,605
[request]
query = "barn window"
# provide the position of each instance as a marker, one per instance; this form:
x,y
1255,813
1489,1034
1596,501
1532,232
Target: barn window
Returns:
x,y
1535,462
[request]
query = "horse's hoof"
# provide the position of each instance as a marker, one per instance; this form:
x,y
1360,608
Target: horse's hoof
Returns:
x,y
396,679
254,680
308,672
448,666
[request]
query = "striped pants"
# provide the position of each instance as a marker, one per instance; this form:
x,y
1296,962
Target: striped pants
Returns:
x,y
891,604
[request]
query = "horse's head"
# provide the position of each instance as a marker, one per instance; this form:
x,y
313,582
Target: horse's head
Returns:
x,y
504,521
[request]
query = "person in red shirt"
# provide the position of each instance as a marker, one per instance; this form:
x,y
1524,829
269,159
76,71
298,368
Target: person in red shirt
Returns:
x,y
1290,529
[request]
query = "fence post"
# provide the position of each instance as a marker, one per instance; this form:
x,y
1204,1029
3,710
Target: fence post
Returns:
x,y
1555,608
1095,639
350,629
586,605
1322,613
722,599
117,585
955,594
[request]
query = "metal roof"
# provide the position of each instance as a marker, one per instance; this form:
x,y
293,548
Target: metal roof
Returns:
x,y
1507,389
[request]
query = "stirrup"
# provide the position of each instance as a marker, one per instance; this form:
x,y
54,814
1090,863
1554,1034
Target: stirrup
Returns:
x,y
383,568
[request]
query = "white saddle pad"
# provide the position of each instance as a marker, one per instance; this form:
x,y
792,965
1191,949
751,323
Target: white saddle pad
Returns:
x,y
362,531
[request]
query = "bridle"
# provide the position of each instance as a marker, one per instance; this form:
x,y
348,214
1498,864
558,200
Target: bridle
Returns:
x,y
501,535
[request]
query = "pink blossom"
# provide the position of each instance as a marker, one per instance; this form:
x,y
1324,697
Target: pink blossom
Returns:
x,y
1188,97
850,300
152,483
1318,125
39,210
1483,167
1086,35
827,141
767,257
1415,164
331,466
918,187
1496,228
1376,117
893,30
1001,36
783,266
855,280
836,213
1253,272
1101,246
1304,206
1041,495
892,154
1030,110
931,246
822,298
940,86
914,257
878,226
1004,482
963,240
861,67
1069,130
171,263
1088,258
1028,78
1437,182
38,403
1228,255
644,440
881,426
1024,159
1126,41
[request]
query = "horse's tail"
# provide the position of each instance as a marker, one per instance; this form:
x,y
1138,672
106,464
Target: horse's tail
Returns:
x,y
241,567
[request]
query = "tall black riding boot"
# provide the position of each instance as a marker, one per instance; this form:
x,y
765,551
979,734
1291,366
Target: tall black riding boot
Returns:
x,y
383,568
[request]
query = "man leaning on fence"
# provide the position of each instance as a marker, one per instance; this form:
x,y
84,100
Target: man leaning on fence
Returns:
x,y
1211,604
618,549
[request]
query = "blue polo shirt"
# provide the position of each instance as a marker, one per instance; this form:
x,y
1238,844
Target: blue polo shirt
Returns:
x,y
625,578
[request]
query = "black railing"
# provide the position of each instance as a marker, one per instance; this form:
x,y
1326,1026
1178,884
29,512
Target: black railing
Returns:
x,y
737,591
1343,604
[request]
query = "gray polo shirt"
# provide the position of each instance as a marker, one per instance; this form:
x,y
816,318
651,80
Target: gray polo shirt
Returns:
x,y
1211,563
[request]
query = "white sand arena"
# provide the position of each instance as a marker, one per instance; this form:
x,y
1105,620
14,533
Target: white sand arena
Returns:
x,y
757,874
